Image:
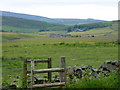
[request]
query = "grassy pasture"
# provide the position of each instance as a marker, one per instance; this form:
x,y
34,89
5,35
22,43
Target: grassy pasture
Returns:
x,y
78,51
8,36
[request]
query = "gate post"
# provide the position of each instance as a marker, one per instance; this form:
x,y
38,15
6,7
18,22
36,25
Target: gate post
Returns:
x,y
49,66
63,74
25,73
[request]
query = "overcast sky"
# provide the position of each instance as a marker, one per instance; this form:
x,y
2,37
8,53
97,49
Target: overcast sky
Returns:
x,y
82,9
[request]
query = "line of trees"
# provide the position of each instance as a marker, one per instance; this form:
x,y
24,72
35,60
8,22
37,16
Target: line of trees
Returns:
x,y
88,26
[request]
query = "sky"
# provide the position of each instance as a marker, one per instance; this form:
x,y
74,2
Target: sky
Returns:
x,y
75,9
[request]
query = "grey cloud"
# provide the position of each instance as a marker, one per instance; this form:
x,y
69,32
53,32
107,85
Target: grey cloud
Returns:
x,y
58,2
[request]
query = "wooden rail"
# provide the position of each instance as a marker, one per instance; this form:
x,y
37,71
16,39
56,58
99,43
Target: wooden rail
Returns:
x,y
47,70
48,85
62,71
38,61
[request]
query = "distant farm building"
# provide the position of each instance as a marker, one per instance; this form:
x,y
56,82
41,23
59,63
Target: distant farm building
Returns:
x,y
60,35
79,30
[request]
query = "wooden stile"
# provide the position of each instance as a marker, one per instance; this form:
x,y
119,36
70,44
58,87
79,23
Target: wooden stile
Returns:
x,y
62,71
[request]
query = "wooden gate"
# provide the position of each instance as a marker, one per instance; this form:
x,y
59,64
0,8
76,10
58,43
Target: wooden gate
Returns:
x,y
62,71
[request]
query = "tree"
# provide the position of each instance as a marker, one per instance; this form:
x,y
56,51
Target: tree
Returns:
x,y
76,26
69,29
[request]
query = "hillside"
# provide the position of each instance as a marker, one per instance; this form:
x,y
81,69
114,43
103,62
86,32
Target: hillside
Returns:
x,y
13,24
49,20
86,27
27,16
105,30
78,21
8,36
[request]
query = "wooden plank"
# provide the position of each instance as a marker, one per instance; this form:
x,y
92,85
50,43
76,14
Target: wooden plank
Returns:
x,y
63,74
48,85
47,70
25,73
49,66
38,61
32,74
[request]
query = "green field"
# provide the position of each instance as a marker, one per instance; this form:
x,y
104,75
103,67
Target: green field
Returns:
x,y
78,51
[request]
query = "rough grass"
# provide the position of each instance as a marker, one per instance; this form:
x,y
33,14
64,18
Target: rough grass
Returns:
x,y
101,82
78,51
6,36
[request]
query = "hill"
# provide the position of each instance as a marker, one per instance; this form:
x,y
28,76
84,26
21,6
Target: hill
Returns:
x,y
78,21
13,24
100,30
86,27
49,20
27,16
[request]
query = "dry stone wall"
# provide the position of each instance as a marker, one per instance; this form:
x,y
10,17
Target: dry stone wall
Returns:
x,y
107,68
